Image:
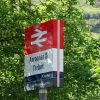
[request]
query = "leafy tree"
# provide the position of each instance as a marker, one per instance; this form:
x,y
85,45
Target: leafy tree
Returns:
x,y
81,53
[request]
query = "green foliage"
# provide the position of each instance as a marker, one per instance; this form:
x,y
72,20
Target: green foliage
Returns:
x,y
81,53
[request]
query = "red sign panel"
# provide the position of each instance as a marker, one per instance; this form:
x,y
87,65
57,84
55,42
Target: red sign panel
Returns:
x,y
42,37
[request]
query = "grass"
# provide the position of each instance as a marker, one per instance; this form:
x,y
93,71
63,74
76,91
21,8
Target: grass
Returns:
x,y
91,9
88,9
95,35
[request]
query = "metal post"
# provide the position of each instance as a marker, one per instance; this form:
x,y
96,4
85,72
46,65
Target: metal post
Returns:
x,y
43,94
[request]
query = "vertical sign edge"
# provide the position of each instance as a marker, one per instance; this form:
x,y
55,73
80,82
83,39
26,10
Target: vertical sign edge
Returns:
x,y
58,54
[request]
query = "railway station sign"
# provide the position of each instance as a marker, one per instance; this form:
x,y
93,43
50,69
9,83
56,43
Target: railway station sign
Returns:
x,y
43,50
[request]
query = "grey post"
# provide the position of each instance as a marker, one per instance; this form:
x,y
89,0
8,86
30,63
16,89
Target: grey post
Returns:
x,y
43,94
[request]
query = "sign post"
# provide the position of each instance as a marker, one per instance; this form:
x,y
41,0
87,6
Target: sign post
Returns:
x,y
43,52
43,94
